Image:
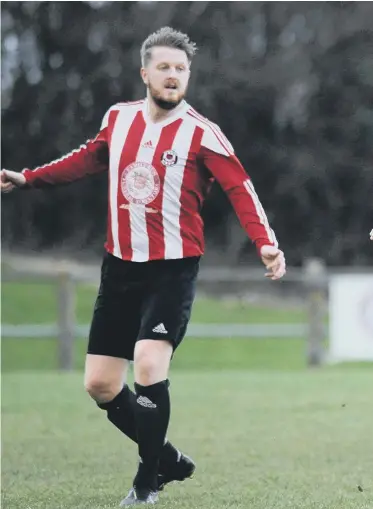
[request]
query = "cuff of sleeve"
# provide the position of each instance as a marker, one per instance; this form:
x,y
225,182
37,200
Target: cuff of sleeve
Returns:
x,y
28,174
263,242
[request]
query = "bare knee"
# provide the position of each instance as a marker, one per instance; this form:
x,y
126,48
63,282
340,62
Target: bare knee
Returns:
x,y
152,360
104,377
146,370
102,390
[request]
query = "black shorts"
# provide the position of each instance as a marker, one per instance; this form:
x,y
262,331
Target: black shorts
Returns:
x,y
149,300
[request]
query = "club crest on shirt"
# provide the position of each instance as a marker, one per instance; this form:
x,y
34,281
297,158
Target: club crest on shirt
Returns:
x,y
169,158
140,183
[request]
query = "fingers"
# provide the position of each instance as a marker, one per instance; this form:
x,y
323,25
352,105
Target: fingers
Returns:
x,y
4,177
275,275
276,262
272,264
6,184
11,177
277,267
6,187
278,274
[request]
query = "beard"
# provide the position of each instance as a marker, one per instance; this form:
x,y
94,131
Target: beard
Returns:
x,y
163,103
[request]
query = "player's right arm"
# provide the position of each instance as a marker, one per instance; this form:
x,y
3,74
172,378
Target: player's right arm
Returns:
x,y
89,159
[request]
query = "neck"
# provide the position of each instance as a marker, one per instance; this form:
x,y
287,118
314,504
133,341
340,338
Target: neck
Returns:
x,y
156,113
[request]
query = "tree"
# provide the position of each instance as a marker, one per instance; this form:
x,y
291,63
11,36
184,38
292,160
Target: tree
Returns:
x,y
289,83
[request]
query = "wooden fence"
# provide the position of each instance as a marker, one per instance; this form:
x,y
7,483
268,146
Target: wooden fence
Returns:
x,y
309,284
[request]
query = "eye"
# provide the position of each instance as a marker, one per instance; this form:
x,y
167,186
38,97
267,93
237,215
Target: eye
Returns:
x,y
180,69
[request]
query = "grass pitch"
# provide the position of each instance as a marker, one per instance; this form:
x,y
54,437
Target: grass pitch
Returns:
x,y
262,440
265,432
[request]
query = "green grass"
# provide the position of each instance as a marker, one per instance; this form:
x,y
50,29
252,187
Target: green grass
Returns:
x,y
262,440
220,311
265,432
205,354
30,302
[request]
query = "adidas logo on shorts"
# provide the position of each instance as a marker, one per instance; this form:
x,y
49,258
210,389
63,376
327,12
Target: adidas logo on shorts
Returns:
x,y
144,401
160,328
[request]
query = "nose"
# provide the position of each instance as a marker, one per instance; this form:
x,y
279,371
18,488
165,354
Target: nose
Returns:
x,y
172,72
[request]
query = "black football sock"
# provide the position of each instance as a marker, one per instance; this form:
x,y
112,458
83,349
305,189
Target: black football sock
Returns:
x,y
152,415
121,413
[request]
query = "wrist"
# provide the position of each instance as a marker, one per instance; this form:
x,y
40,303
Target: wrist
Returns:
x,y
261,243
27,174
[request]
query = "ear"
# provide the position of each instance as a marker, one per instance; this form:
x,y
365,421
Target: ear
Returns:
x,y
144,75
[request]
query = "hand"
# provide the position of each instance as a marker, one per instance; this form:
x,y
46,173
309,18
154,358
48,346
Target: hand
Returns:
x,y
274,261
10,180
371,235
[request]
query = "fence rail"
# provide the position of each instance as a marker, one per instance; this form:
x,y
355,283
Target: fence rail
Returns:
x,y
197,330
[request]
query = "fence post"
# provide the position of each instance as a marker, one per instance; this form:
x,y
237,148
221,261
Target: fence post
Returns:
x,y
66,319
316,280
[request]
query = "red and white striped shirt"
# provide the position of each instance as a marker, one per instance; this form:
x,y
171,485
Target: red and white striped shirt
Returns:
x,y
159,176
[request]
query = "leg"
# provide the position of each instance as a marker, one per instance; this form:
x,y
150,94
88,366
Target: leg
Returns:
x,y
105,382
114,330
165,317
152,409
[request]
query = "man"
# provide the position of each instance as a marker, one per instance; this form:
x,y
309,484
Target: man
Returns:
x,y
161,156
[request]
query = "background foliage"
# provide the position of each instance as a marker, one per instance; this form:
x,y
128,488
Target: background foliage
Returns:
x,y
290,83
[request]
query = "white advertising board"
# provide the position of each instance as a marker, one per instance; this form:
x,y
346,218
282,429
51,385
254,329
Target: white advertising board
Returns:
x,y
351,317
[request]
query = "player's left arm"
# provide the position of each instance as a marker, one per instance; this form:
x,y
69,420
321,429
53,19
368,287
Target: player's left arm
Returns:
x,y
218,156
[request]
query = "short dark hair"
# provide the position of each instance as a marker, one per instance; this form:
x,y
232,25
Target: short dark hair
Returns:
x,y
170,38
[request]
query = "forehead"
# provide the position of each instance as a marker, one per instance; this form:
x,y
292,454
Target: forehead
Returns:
x,y
168,55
